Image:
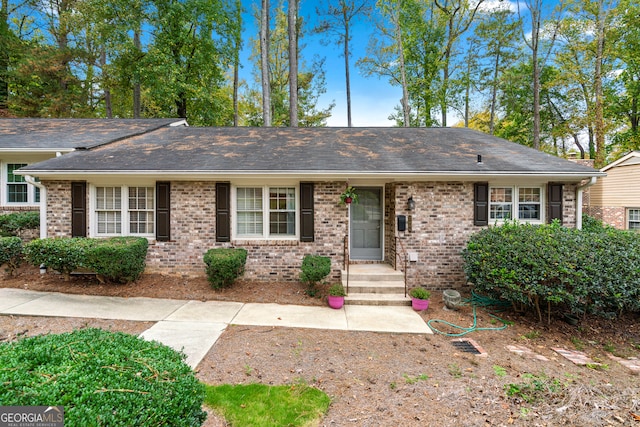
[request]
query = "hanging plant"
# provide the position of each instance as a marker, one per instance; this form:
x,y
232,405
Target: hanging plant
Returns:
x,y
348,196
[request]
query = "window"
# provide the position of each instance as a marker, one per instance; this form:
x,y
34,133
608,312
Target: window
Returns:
x,y
263,212
633,219
521,203
111,207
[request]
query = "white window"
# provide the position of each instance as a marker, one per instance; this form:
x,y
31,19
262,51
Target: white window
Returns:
x,y
633,219
18,192
137,208
520,203
265,212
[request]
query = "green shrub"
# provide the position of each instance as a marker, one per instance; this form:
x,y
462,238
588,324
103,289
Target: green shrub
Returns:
x,y
545,266
60,254
314,269
102,378
119,259
10,253
224,265
420,293
11,224
337,290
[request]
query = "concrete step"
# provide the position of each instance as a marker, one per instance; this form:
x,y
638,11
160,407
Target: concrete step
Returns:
x,y
359,275
377,299
377,287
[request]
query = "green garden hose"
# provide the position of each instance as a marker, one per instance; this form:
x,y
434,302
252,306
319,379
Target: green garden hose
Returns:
x,y
475,301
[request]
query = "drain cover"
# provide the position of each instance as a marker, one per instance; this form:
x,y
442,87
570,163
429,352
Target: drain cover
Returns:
x,y
466,347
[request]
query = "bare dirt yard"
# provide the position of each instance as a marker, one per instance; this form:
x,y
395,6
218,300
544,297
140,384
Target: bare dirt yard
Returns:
x,y
382,379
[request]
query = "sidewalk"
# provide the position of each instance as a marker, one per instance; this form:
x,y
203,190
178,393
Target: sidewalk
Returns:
x,y
194,326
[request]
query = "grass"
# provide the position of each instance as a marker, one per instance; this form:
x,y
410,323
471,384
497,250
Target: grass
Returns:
x,y
263,405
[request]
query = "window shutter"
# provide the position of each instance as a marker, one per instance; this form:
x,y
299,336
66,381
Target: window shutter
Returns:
x,y
79,209
163,211
306,212
555,202
481,203
223,212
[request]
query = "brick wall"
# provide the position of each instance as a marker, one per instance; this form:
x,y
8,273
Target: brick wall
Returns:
x,y
612,215
438,230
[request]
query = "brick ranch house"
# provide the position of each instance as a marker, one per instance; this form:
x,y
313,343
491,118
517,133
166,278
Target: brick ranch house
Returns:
x,y
276,192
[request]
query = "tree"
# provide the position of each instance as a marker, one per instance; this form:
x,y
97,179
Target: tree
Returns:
x,y
292,26
264,58
337,22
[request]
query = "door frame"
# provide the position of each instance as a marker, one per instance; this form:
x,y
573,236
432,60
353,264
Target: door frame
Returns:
x,y
382,223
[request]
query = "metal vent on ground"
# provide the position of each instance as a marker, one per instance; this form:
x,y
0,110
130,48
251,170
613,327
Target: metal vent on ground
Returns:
x,y
466,346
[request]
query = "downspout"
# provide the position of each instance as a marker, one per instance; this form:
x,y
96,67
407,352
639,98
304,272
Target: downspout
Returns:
x,y
43,204
580,190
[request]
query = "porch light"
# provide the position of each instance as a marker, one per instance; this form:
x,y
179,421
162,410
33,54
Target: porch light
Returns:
x,y
411,204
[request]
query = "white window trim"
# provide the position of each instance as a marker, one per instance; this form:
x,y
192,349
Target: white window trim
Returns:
x,y
124,212
628,219
4,190
265,212
515,203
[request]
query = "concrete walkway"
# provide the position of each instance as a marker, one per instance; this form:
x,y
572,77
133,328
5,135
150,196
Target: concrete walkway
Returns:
x,y
194,326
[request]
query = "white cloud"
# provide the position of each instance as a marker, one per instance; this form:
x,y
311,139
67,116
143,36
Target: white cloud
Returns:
x,y
495,5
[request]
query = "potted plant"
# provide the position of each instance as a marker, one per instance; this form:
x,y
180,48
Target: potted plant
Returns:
x,y
349,196
336,296
419,298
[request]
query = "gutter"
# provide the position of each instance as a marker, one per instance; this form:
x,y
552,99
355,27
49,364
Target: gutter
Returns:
x,y
579,192
43,204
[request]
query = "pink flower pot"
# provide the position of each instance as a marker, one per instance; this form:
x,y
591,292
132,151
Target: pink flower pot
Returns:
x,y
335,301
419,304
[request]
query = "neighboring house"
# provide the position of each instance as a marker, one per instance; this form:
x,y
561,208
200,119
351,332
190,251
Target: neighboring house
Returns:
x,y
615,199
27,141
276,192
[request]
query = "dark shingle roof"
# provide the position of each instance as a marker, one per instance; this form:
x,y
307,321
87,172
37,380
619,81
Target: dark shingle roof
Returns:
x,y
61,134
320,150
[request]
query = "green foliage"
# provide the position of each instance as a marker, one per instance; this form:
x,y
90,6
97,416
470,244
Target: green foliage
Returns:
x,y
534,388
102,378
337,290
314,269
419,293
10,253
60,254
263,405
349,193
11,224
594,225
533,266
224,266
119,259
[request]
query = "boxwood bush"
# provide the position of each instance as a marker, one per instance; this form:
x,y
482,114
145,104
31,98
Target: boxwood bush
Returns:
x,y
11,224
102,378
314,269
224,266
118,259
10,253
549,266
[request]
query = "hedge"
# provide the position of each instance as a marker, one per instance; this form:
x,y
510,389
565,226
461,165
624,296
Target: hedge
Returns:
x,y
535,266
224,266
102,379
10,253
118,259
314,269
11,224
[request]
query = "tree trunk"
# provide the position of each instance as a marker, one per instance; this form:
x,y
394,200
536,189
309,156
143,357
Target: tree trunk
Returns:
x,y
599,107
264,60
293,63
406,108
107,92
346,64
4,54
236,63
137,107
494,95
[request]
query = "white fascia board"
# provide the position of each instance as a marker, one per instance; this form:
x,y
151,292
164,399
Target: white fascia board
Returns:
x,y
621,160
52,151
310,175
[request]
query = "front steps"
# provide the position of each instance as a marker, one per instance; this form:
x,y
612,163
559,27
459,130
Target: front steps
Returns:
x,y
374,284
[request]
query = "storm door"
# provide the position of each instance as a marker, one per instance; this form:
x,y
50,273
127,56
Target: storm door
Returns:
x,y
366,219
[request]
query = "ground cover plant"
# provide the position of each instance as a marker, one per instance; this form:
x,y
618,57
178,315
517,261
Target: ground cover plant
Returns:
x,y
102,378
263,405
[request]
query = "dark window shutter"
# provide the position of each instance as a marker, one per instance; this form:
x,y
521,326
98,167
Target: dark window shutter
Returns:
x,y
306,212
79,209
163,211
481,203
555,202
223,212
